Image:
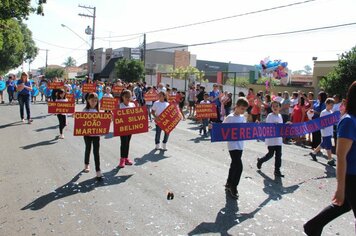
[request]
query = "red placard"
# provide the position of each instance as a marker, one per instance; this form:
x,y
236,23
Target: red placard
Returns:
x,y
91,123
169,118
61,107
109,104
117,89
70,97
205,111
151,97
89,88
130,121
172,98
56,85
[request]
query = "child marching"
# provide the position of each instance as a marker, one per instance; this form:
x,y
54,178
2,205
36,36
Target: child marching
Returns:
x,y
157,108
126,96
62,119
205,121
274,144
92,105
236,148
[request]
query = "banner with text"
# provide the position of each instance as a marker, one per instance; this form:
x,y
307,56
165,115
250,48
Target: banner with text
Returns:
x,y
109,104
70,97
91,123
56,85
117,89
151,96
130,121
248,131
89,88
205,111
169,118
61,107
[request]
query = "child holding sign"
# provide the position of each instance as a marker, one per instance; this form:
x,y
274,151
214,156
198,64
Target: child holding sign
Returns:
x,y
274,144
92,106
157,108
205,120
235,148
125,140
61,97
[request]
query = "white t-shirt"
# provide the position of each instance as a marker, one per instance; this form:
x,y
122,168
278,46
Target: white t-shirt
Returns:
x,y
205,102
107,95
278,99
336,107
273,118
130,105
159,107
232,118
328,131
293,102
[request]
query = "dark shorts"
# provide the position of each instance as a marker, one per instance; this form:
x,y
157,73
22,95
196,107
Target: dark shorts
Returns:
x,y
326,143
191,103
285,118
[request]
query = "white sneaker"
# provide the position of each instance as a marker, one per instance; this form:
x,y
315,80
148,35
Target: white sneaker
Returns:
x,y
157,146
164,146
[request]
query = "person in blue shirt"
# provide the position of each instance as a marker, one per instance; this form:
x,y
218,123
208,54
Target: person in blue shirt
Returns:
x,y
318,107
10,84
24,88
344,198
214,97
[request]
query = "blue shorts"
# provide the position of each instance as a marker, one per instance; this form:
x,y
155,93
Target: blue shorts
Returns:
x,y
326,143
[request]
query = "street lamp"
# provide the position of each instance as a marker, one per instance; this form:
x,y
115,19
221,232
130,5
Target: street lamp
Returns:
x,y
63,25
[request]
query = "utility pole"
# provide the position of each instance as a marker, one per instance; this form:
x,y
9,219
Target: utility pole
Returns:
x,y
143,56
91,56
46,58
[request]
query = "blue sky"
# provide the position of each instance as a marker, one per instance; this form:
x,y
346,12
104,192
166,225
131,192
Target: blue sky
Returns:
x,y
122,17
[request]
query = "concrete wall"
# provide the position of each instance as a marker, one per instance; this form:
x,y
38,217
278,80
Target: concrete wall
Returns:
x,y
321,69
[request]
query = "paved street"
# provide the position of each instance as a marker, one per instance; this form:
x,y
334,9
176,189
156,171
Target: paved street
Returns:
x,y
43,191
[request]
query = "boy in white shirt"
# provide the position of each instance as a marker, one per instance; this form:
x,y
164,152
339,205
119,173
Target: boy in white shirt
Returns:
x,y
274,144
205,121
326,133
235,148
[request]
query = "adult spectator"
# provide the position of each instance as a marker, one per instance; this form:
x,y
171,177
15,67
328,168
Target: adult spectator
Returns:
x,y
192,93
200,96
251,100
24,88
2,89
336,108
345,196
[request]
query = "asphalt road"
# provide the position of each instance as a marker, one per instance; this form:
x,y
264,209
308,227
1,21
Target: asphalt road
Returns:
x,y
43,191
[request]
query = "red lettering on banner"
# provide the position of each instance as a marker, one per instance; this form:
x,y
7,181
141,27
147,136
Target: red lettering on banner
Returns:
x,y
61,107
234,133
89,88
117,89
248,133
206,111
91,123
168,122
225,133
151,96
242,132
130,121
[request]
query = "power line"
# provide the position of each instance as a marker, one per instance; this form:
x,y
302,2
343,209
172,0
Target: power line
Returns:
x,y
216,19
58,46
256,36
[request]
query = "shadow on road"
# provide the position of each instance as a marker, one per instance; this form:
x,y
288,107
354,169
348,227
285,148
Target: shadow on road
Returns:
x,y
17,123
229,216
46,128
199,139
152,156
42,143
41,117
72,188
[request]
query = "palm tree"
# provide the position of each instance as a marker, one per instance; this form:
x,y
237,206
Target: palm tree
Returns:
x,y
70,61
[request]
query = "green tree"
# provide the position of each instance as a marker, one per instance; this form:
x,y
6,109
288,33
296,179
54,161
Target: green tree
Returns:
x,y
307,70
19,9
53,72
70,61
130,70
16,45
340,79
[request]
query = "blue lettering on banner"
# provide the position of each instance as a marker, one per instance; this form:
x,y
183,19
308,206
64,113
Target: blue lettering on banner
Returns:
x,y
222,132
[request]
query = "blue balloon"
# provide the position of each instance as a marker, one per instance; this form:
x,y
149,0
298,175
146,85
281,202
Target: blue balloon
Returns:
x,y
78,94
2,85
42,88
284,64
100,95
35,92
47,92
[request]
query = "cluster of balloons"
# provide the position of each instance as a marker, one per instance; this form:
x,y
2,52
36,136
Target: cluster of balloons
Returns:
x,y
276,68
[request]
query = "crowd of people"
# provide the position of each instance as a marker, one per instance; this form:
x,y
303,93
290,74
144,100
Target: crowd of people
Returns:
x,y
252,107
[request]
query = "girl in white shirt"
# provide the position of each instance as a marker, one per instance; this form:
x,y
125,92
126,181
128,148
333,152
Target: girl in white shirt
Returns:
x,y
126,96
92,106
157,108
